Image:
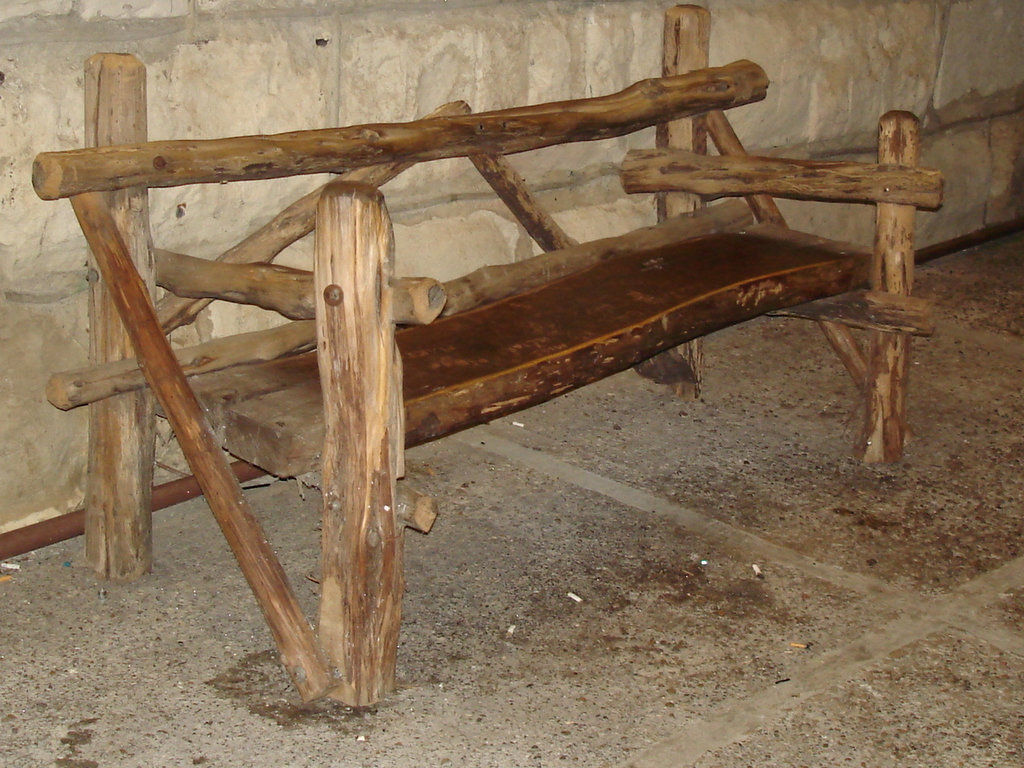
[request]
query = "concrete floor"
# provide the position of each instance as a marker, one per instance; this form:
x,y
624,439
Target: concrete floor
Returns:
x,y
886,630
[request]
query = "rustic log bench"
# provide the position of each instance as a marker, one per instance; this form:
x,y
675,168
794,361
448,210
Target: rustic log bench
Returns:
x,y
341,392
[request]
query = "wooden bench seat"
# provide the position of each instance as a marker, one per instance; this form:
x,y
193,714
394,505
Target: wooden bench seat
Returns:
x,y
473,367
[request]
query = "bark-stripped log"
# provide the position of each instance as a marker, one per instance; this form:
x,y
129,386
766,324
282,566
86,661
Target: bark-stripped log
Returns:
x,y
361,567
728,143
686,41
70,389
885,423
512,189
871,310
294,637
655,170
491,283
418,300
293,223
118,520
333,150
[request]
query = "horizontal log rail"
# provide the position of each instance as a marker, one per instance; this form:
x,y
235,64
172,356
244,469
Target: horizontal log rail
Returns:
x,y
335,150
417,300
293,223
70,389
659,170
870,310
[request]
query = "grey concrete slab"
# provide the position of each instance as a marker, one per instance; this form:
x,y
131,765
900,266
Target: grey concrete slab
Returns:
x,y
885,630
946,700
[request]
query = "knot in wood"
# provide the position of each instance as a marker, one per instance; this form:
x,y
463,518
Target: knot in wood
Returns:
x,y
159,162
333,294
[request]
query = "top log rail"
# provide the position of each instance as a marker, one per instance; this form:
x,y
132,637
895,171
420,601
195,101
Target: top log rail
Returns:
x,y
335,150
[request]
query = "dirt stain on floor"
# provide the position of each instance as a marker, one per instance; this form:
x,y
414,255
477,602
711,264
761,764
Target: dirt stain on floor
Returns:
x,y
259,683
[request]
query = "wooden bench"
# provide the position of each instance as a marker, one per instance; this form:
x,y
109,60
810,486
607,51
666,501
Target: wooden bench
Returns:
x,y
341,392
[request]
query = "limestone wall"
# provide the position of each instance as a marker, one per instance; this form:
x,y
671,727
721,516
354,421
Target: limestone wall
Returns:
x,y
224,67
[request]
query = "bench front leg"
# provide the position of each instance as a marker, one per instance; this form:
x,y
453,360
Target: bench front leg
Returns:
x,y
361,572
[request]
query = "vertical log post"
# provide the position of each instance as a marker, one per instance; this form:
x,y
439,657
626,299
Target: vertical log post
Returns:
x,y
685,48
885,426
292,633
118,517
361,571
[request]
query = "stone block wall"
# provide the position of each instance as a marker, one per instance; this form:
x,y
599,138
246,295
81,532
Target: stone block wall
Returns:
x,y
229,67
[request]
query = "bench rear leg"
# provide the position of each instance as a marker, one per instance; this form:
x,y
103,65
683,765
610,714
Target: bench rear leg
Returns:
x,y
685,48
885,426
361,574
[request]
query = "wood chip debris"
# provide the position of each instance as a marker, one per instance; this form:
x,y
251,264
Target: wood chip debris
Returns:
x,y
10,566
574,597
757,570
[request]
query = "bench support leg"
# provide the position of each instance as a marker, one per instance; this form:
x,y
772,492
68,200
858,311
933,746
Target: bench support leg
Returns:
x,y
685,48
118,517
361,574
292,633
885,426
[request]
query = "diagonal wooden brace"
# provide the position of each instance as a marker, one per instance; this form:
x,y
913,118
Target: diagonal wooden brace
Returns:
x,y
292,632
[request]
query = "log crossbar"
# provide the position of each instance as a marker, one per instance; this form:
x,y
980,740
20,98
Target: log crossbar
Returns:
x,y
341,391
176,163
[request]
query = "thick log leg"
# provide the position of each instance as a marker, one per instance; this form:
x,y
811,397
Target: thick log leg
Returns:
x,y
361,574
885,426
685,48
292,633
118,517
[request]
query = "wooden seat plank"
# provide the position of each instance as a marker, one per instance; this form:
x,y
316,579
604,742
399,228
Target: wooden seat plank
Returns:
x,y
473,367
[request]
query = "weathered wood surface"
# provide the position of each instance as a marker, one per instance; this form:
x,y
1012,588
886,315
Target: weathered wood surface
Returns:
x,y
502,357
872,310
70,389
288,291
885,424
728,143
847,349
686,41
361,577
655,170
511,188
333,150
492,283
118,516
292,633
293,223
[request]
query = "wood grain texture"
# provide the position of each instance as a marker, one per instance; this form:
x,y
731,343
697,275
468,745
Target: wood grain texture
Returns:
x,y
728,143
70,389
885,424
361,568
508,355
292,633
293,223
511,188
870,310
686,41
118,516
334,150
288,291
654,170
81,386
491,283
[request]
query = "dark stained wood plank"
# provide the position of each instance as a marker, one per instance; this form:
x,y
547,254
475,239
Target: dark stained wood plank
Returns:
x,y
502,357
